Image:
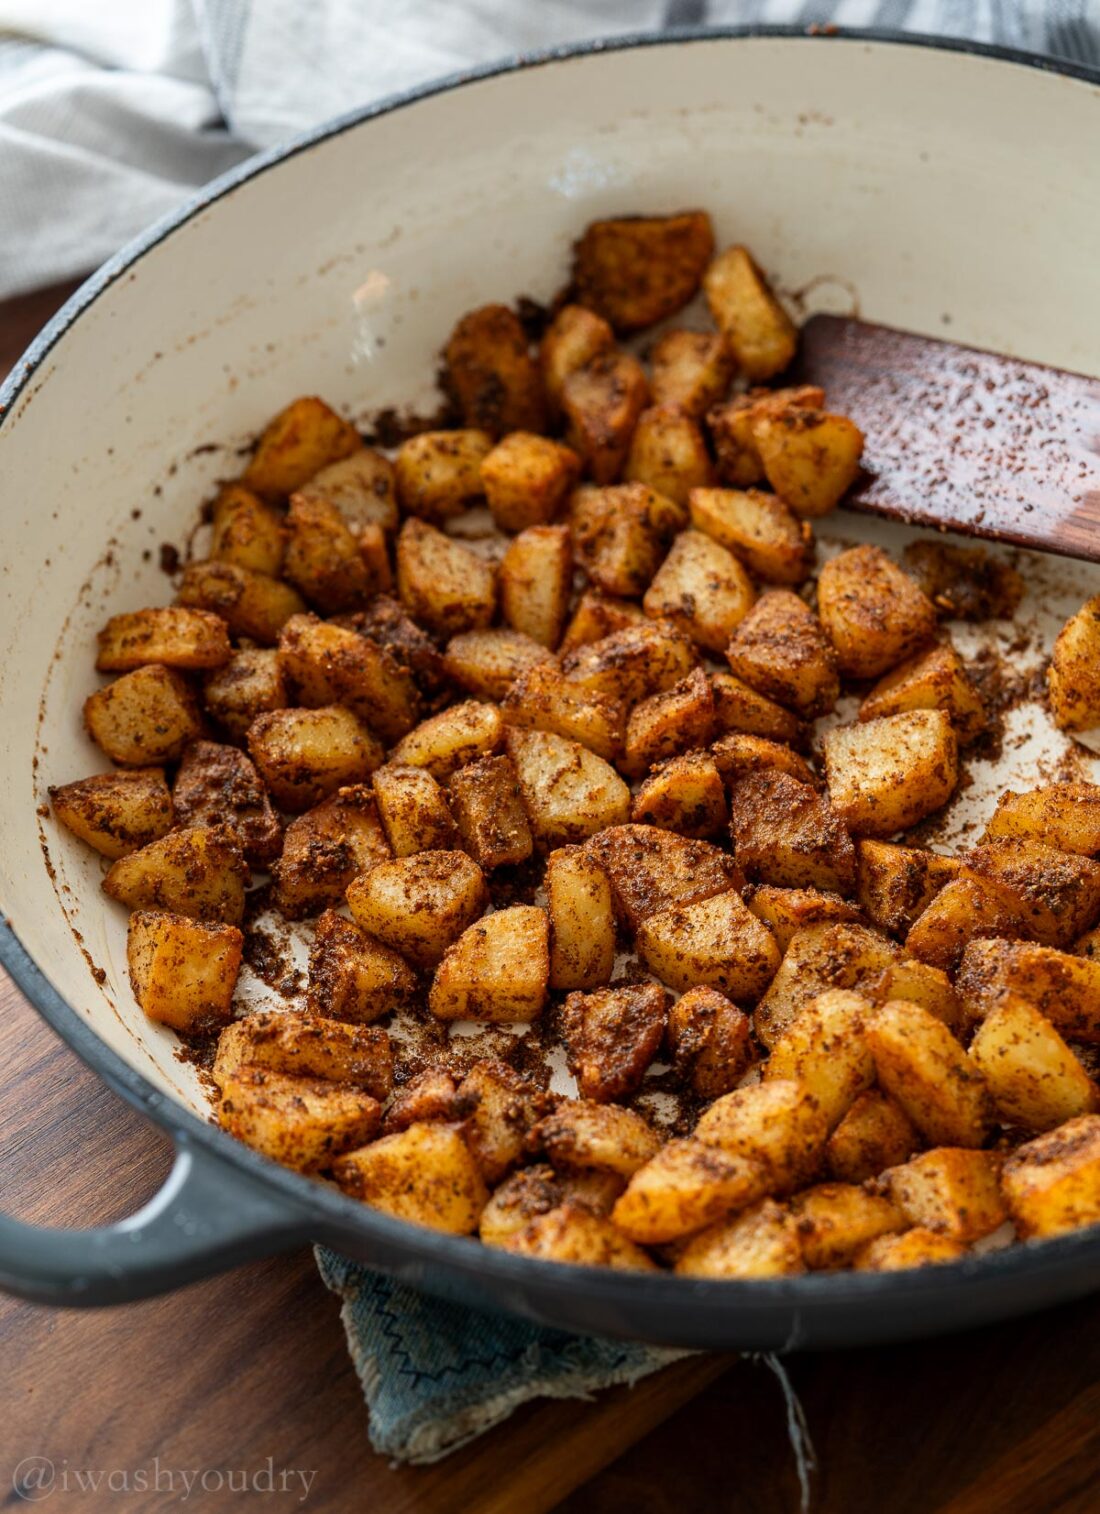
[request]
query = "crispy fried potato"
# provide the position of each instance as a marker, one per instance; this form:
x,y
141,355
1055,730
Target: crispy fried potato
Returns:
x,y
307,1046
351,976
834,1221
305,755
1073,678
438,473
251,604
582,920
701,588
536,578
528,480
172,637
967,909
612,1035
418,905
602,402
441,582
716,942
298,1122
950,1191
582,1136
598,615
762,1241
323,558
413,810
710,1041
633,663
668,454
738,754
1062,891
739,708
218,786
965,583
684,1187
1052,1184
535,1191
778,1125
498,1107
620,534
488,810
572,1233
786,910
574,337
932,680
542,698
758,528
686,795
1065,988
825,1049
876,1133
115,813
143,718
884,775
385,623
183,972
568,792
668,723
430,1095
497,970
198,873
251,683
919,983
780,650
810,457
491,374
786,833
873,614
731,429
459,734
653,870
914,1248
759,331
896,883
820,957
324,849
302,439
247,532
1035,1080
1062,815
487,663
637,270
921,1065
361,486
691,370
425,1173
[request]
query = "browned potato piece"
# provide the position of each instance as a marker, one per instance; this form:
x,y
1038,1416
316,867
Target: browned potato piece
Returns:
x,y
739,708
143,718
612,1035
385,623
876,1133
301,1123
701,588
873,614
497,970
932,680
307,1046
455,736
302,439
328,664
197,873
967,909
780,650
731,429
173,637
430,1095
620,534
951,1190
1052,1184
1061,890
786,910
920,983
535,1191
913,1248
759,331
413,810
568,792
820,957
438,473
498,1107
668,454
686,795
573,1234
763,1241
323,559
965,583
825,1049
582,1136
737,754
251,683
602,402
218,786
1065,988
418,905
897,882
716,942
425,1173
777,1125
352,977
441,582
710,1040
489,813
326,848
653,870
536,579
574,337
921,1065
633,663
810,457
690,369
491,375
665,724
251,604
1073,678
1062,815
116,813
887,774
786,833
836,1220
361,486
637,270
758,528
247,532
687,1185
598,615
305,755
543,699
528,479
582,921
183,972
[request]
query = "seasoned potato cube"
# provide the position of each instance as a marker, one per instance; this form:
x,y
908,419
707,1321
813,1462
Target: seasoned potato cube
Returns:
x,y
819,957
921,1065
580,1136
763,1241
787,910
116,813
739,708
810,457
780,650
686,795
536,580
413,810
430,1095
731,429
441,582
758,528
250,684
786,833
573,338
143,718
887,774
913,1248
385,623
668,723
543,699
716,942
668,454
965,583
637,270
737,754
691,370
535,1191
197,873
568,792
447,741
183,972
711,1042
951,1191
633,663
1052,1184
873,614
528,479
653,870
361,486
876,1133
919,983
620,534
299,1122
302,439
323,560
438,473
328,664
1065,988
612,1035
582,921
602,402
305,755
307,1046
418,905
1073,678
1062,891
572,1233
251,604
489,813
1035,1080
218,786
687,1185
425,1173
498,1107
247,532
701,588
825,1049
598,615
778,1125
1062,815
352,977
491,375
932,680
836,1220
173,637
497,970
326,848
897,882
759,331
967,909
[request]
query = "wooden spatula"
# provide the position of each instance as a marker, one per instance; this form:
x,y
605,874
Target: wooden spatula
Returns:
x,y
964,440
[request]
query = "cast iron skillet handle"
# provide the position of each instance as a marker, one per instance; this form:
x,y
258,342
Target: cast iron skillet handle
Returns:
x,y
207,1217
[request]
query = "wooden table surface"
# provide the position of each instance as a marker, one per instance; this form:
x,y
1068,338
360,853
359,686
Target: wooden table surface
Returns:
x,y
230,1373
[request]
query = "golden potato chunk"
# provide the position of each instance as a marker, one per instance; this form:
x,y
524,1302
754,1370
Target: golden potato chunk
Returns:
x,y
251,604
825,1049
489,813
780,650
328,664
834,1221
913,1248
1065,988
777,1125
612,1035
786,833
668,723
950,1191
326,848
787,910
307,1046
528,480
251,683
701,588
247,532
1052,1184
430,1095
442,583
810,457
298,1122
763,1241
716,942
305,755
668,454
739,708
491,375
572,1233
1073,678
173,637
731,429
1062,891
361,486
633,663
637,270
568,792
684,1187
418,905
198,873
620,534
896,883
183,972
820,957
967,909
497,970
351,976
323,559
873,614
542,698
413,810
438,473
573,338
758,528
876,1133
686,795
760,333
447,741
887,774
598,615
582,1136
710,1040
602,402
425,1173
582,920
116,813
691,370
932,680
302,439
498,1107
143,718
534,1191
653,870
536,580
385,623
921,1065
1062,815
218,786
738,754
919,983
